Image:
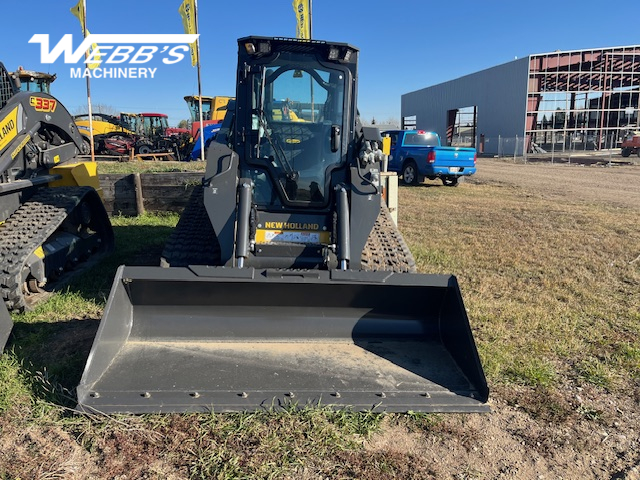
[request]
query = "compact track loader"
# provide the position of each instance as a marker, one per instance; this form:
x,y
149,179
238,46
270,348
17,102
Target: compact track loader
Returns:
x,y
285,280
51,215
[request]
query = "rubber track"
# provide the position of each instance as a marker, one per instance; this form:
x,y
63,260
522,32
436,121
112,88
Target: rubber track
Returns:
x,y
194,242
26,230
386,249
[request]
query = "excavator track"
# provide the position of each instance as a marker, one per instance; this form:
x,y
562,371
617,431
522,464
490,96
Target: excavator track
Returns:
x,y
29,228
193,242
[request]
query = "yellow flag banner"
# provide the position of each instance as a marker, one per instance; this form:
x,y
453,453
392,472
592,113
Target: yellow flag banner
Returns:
x,y
187,12
303,18
78,12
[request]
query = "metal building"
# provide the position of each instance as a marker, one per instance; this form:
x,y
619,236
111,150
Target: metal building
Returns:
x,y
550,102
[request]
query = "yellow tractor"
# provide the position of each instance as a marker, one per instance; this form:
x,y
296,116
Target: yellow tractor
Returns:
x,y
104,127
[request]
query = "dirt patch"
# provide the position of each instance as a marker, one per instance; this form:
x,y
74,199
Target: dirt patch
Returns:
x,y
511,443
50,452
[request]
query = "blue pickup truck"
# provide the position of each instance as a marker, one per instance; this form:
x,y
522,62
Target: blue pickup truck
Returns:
x,y
417,154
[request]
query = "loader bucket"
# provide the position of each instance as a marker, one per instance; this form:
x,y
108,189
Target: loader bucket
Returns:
x,y
6,324
227,339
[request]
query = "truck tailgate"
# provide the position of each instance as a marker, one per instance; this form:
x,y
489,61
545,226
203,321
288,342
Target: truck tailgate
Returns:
x,y
455,157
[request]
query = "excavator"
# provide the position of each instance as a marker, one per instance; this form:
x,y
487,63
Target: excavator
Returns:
x,y
52,219
285,282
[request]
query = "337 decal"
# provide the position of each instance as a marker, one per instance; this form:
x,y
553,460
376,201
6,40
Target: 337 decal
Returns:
x,y
42,104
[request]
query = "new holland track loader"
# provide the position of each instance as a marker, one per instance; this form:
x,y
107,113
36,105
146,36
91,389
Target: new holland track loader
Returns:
x,y
285,280
51,216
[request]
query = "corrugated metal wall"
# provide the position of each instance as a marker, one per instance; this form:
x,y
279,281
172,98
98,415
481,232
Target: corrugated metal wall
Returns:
x,y
499,93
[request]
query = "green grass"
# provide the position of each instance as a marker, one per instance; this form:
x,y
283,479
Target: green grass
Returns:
x,y
279,442
553,299
550,288
87,293
149,167
14,388
47,355
53,340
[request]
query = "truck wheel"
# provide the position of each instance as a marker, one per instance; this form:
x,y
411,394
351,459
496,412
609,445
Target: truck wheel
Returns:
x,y
627,151
410,173
451,181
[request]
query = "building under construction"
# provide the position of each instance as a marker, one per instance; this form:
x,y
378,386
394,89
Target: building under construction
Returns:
x,y
551,102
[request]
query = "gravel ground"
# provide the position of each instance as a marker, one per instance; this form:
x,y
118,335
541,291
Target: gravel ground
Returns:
x,y
618,185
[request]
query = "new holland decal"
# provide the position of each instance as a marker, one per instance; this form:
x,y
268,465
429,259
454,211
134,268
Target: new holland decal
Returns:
x,y
8,128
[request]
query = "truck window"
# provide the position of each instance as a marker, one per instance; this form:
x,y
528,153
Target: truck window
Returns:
x,y
428,139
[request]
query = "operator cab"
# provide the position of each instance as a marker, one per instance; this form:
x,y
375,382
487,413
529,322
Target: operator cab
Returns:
x,y
296,109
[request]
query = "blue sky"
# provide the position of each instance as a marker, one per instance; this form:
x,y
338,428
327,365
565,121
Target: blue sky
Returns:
x,y
404,45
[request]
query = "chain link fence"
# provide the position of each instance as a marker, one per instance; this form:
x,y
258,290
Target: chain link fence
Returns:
x,y
559,148
504,146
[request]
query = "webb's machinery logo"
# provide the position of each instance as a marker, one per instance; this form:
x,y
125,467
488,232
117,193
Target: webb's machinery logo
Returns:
x,y
116,53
